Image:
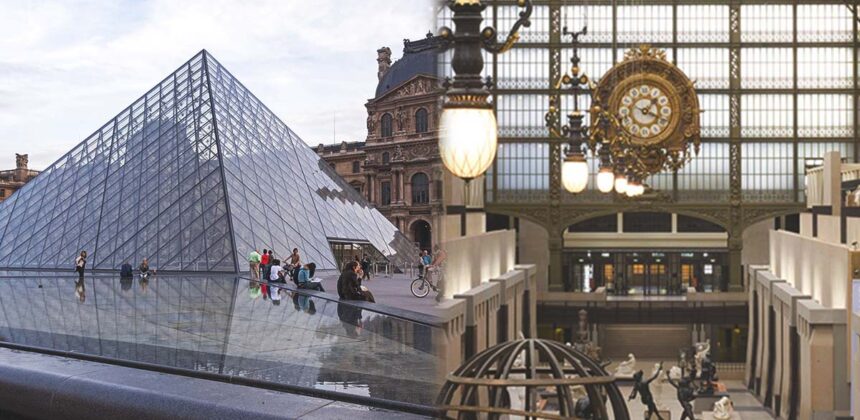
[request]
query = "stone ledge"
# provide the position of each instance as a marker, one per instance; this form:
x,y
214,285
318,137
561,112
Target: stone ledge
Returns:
x,y
477,295
507,281
815,313
789,296
765,279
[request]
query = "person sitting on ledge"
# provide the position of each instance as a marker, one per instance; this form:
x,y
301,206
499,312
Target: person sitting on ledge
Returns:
x,y
306,278
144,269
349,285
276,272
126,271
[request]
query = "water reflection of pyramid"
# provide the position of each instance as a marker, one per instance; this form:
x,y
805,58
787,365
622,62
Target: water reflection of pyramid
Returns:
x,y
193,175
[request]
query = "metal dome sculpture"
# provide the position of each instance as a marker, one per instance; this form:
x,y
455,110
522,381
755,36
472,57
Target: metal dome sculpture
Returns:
x,y
507,381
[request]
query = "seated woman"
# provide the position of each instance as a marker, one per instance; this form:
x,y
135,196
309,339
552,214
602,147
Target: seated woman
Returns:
x,y
144,269
349,284
307,280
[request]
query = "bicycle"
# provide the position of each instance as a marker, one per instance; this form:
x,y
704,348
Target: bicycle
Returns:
x,y
421,286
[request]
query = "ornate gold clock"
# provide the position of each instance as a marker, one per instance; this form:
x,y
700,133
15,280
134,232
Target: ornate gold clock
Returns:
x,y
647,110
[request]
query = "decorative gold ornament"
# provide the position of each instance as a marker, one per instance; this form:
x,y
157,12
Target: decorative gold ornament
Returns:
x,y
647,111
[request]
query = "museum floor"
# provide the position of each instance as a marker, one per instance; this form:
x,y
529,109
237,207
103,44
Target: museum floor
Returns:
x,y
746,405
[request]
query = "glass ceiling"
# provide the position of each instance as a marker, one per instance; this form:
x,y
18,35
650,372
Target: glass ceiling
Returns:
x,y
193,175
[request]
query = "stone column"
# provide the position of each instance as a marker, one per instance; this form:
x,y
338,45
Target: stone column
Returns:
x,y
824,386
753,328
833,182
766,362
400,173
786,384
736,247
556,246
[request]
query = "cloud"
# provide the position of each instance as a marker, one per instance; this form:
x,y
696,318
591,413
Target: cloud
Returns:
x,y
68,66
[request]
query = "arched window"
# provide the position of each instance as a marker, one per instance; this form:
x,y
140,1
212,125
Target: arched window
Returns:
x,y
386,158
386,193
356,167
386,128
420,189
421,120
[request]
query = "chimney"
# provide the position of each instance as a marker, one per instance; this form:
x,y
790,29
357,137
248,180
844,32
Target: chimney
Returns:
x,y
383,57
21,167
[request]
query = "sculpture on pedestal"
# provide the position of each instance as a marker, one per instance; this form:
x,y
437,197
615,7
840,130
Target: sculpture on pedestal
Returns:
x,y
723,409
702,349
627,367
686,393
583,342
642,388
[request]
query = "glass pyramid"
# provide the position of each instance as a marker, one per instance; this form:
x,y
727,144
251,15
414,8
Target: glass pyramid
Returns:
x,y
193,175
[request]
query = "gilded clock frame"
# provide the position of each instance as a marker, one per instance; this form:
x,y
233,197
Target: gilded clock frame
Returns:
x,y
670,149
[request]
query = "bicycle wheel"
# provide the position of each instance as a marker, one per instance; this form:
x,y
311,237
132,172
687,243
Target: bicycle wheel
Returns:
x,y
420,288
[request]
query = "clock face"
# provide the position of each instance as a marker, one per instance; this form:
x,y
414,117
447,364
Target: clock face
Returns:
x,y
645,111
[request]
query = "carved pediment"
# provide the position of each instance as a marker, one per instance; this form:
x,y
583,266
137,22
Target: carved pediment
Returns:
x,y
418,85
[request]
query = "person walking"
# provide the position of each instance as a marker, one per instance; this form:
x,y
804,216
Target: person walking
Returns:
x,y
254,263
81,264
365,266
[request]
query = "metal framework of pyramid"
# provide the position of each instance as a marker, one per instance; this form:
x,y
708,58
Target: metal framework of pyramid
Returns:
x,y
193,175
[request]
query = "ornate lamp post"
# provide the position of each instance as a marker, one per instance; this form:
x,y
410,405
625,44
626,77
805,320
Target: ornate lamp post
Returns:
x,y
468,139
574,169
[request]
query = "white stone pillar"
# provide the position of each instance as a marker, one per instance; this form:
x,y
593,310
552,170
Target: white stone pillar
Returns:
x,y
833,181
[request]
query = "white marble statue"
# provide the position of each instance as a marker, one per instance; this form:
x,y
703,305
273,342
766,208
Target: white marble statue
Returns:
x,y
702,350
657,386
723,409
627,367
675,373
518,394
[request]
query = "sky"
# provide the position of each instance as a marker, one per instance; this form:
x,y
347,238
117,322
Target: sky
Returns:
x,y
68,67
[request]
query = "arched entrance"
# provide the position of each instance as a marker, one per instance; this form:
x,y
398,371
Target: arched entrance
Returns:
x,y
421,234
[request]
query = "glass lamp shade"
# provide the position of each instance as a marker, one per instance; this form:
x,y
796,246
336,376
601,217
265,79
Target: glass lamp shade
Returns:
x,y
638,189
605,180
620,184
632,189
574,173
468,140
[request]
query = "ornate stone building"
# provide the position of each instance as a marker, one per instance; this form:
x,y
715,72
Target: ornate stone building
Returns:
x,y
13,179
398,168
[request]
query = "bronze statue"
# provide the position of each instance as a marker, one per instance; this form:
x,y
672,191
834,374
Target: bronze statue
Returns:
x,y
644,390
686,393
708,375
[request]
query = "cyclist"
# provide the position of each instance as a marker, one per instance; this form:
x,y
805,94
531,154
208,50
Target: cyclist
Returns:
x,y
437,266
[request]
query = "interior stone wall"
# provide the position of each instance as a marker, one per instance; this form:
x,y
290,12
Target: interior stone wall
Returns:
x,y
533,245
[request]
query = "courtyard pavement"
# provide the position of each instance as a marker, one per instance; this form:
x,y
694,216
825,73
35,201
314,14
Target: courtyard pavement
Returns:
x,y
388,289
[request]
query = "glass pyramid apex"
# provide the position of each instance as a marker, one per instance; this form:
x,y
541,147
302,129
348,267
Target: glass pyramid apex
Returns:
x,y
193,176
